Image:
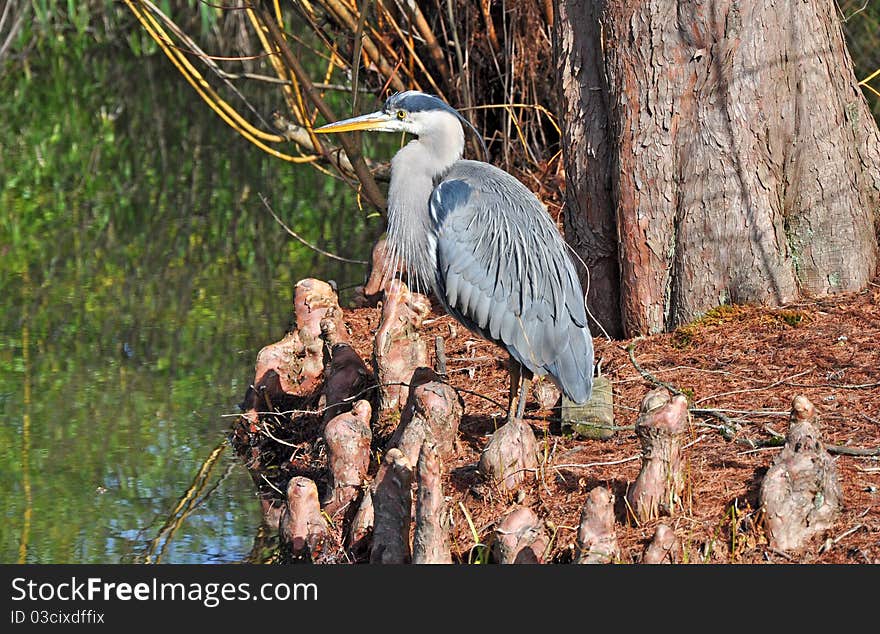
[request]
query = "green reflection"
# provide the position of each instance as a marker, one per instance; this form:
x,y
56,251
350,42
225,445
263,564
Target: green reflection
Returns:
x,y
140,276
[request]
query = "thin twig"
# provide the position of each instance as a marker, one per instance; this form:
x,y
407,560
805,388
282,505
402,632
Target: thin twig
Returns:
x,y
200,54
482,396
694,442
756,450
781,553
754,389
728,429
590,465
368,183
870,419
265,430
630,349
856,12
852,451
831,543
358,51
839,386
750,412
630,379
273,486
303,240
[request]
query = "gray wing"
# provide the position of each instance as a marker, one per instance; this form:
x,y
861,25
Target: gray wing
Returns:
x,y
503,271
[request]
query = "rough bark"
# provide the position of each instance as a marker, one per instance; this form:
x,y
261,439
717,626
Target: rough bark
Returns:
x,y
392,500
433,412
283,369
399,348
743,157
293,367
315,301
664,547
596,539
589,156
520,538
431,537
303,531
380,274
510,456
348,438
661,428
359,536
800,494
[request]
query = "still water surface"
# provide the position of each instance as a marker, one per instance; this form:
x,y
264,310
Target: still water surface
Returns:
x,y
140,276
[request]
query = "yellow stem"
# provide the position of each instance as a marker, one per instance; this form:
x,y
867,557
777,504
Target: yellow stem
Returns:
x,y
276,63
218,105
865,81
872,89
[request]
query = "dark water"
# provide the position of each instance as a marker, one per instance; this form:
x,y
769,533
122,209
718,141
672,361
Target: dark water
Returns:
x,y
140,276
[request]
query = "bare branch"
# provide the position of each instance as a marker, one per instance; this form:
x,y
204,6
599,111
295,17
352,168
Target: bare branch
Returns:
x,y
303,240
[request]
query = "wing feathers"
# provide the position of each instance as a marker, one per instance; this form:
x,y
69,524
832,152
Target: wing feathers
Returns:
x,y
504,273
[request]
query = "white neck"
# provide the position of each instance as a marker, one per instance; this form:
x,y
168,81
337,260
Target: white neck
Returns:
x,y
413,172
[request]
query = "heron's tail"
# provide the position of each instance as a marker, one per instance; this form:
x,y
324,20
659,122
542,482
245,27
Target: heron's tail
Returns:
x,y
573,369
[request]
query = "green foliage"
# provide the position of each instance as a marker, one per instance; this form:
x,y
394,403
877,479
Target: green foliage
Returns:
x,y
145,274
793,318
690,334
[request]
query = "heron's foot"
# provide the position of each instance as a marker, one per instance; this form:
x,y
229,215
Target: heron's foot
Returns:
x,y
520,381
512,413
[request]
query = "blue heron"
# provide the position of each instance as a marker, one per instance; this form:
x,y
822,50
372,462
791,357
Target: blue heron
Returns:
x,y
484,244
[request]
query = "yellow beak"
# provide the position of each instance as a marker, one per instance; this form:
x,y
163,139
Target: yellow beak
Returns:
x,y
372,121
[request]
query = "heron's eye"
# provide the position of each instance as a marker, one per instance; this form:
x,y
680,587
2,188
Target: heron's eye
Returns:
x,y
401,114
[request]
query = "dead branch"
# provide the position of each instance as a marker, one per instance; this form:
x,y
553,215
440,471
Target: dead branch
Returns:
x,y
352,150
302,240
630,350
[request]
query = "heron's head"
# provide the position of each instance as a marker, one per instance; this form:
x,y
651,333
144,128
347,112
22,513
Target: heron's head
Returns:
x,y
411,111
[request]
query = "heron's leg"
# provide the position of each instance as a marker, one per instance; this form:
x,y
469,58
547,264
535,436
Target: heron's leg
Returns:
x,y
524,383
515,382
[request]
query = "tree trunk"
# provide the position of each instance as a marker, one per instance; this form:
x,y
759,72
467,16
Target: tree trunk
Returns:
x,y
589,156
715,152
